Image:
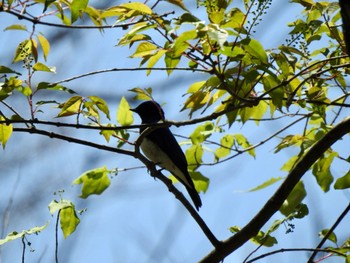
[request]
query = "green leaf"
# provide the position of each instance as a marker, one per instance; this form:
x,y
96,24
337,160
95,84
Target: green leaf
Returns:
x,y
202,132
154,59
181,42
101,105
255,49
171,61
45,45
244,143
332,237
343,182
76,8
144,49
142,94
6,70
201,182
267,183
68,220
194,157
289,140
71,107
68,217
25,90
94,181
5,132
15,235
124,114
264,239
294,199
23,50
49,86
137,6
321,170
55,205
290,164
261,238
178,3
226,142
16,27
42,67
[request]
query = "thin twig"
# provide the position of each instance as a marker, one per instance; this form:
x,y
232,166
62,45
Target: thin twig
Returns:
x,y
277,199
330,231
282,250
56,236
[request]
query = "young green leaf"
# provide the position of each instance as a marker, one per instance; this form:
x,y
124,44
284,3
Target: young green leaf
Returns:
x,y
343,182
200,181
144,49
68,220
267,183
226,142
321,170
202,132
71,107
15,235
5,132
101,105
137,6
16,27
94,181
76,8
45,45
42,67
124,114
6,70
294,199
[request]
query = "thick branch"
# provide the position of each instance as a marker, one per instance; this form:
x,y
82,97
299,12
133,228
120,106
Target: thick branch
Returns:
x,y
150,166
274,203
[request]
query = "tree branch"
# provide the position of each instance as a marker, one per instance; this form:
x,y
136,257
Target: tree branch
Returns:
x,y
282,250
330,231
274,203
151,167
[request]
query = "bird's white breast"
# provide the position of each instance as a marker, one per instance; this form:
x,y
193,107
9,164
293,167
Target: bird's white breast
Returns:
x,y
159,157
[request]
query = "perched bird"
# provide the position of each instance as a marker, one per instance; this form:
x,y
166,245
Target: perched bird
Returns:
x,y
161,147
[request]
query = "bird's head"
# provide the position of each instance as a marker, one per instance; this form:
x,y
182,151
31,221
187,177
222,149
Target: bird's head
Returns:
x,y
149,112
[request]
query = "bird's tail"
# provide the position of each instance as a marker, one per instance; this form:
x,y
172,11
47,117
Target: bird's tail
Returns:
x,y
195,197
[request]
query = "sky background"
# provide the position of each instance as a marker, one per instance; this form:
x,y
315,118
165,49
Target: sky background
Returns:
x,y
136,219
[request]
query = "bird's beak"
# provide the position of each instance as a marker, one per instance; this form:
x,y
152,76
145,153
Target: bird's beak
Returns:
x,y
133,110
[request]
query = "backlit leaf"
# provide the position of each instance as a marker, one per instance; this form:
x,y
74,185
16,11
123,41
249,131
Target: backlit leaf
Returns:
x,y
76,8
94,181
321,170
124,114
71,107
137,6
68,220
267,183
343,182
5,132
45,45
15,235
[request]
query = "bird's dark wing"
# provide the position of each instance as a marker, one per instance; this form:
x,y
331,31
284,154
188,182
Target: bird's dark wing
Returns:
x,y
168,144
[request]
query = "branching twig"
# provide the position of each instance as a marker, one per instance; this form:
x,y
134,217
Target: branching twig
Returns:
x,y
282,250
277,199
330,231
150,166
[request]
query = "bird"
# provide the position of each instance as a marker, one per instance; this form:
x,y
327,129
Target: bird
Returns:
x,y
161,147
